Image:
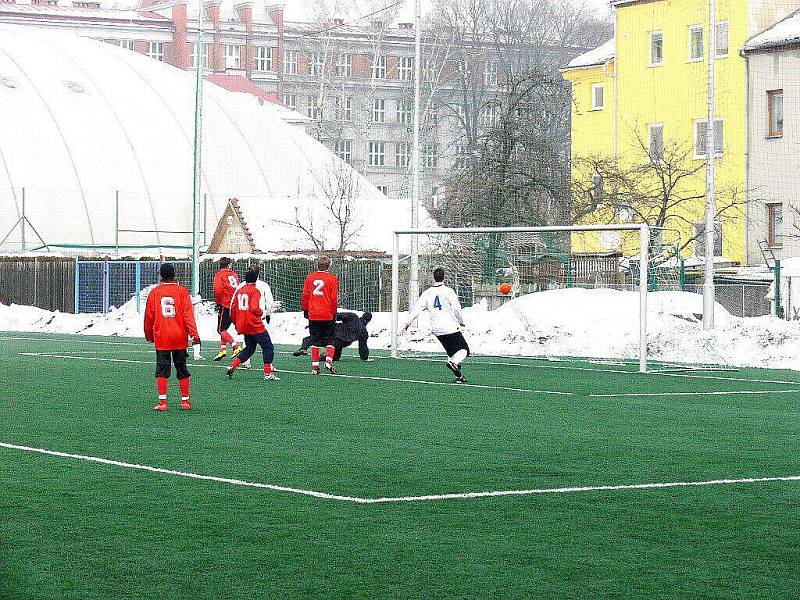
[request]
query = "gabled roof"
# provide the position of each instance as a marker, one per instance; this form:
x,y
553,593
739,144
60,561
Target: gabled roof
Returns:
x,y
67,11
784,33
592,58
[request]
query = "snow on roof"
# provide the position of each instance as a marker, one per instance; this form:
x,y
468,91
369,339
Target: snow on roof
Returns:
x,y
598,56
782,33
240,84
66,10
82,120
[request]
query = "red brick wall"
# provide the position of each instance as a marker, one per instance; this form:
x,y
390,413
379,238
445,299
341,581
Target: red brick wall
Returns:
x,y
362,65
247,53
179,47
391,67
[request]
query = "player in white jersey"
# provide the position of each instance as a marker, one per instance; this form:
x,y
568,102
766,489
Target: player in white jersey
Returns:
x,y
268,303
444,310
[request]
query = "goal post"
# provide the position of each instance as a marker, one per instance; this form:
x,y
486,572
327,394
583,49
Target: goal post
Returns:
x,y
441,234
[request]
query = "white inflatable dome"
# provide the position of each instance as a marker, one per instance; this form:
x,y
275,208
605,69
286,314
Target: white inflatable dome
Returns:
x,y
82,120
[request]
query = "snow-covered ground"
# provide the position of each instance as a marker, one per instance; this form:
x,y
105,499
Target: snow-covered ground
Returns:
x,y
574,322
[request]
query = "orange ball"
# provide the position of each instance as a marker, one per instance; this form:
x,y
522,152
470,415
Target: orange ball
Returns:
x,y
505,288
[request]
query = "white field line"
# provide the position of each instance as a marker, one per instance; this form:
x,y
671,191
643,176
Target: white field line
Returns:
x,y
480,362
396,499
337,376
671,394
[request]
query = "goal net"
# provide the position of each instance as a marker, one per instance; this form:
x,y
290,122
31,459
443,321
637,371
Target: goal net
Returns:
x,y
556,293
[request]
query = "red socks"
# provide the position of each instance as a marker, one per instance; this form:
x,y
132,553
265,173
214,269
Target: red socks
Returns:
x,y
267,369
314,356
184,383
235,364
329,354
226,338
161,384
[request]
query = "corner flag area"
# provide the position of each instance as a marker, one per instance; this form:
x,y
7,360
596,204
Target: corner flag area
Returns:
x,y
567,478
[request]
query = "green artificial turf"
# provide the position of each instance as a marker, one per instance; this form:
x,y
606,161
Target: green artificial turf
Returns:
x,y
76,529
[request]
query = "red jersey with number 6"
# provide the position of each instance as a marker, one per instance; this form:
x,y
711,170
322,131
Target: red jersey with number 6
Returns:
x,y
320,296
225,282
169,317
247,308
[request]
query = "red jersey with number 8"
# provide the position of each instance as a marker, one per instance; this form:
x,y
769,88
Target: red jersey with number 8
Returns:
x,y
225,282
320,296
169,317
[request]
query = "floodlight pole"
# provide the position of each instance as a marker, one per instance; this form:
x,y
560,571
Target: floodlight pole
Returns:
x,y
413,264
395,292
711,154
23,221
198,134
644,282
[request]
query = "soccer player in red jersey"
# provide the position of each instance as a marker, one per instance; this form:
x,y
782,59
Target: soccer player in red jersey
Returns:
x,y
249,310
169,323
225,282
319,303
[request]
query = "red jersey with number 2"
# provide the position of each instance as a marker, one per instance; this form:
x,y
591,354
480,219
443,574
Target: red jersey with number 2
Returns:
x,y
169,317
321,296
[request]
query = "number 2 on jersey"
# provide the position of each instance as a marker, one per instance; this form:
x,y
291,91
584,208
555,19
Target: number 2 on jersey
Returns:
x,y
318,285
437,303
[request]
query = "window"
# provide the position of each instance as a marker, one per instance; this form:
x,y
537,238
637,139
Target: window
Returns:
x,y
127,44
405,69
430,156
428,69
263,58
775,112
344,150
696,47
313,108
193,55
233,56
656,48
405,111
344,108
290,101
459,110
383,189
701,138
597,188
490,73
700,239
656,142
598,96
722,39
377,154
379,110
316,64
290,62
156,50
344,65
379,67
489,115
402,154
775,224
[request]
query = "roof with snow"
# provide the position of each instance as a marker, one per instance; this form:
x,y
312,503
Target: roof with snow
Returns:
x,y
784,33
67,11
82,120
596,57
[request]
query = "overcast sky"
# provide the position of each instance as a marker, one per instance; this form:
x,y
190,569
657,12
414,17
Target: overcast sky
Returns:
x,y
298,10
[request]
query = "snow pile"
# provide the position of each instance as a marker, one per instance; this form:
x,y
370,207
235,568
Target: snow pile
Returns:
x,y
574,322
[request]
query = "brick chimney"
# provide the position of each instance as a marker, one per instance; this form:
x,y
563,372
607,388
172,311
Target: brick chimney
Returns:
x,y
275,12
180,48
217,61
245,12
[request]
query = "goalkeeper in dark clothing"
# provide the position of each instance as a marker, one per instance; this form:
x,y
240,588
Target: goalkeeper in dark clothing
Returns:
x,y
349,328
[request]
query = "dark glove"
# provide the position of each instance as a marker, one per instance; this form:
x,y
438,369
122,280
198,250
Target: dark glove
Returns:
x,y
305,314
268,319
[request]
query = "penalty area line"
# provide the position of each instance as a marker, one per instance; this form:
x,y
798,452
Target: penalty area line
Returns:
x,y
398,499
722,393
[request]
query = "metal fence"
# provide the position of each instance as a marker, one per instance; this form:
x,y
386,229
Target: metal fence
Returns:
x,y
88,286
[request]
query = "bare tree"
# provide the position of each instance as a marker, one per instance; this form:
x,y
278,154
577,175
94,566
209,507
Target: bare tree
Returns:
x,y
659,186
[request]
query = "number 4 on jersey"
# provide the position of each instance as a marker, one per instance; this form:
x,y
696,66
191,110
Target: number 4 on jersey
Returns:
x,y
437,303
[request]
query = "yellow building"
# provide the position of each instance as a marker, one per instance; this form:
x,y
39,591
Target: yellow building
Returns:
x,y
642,98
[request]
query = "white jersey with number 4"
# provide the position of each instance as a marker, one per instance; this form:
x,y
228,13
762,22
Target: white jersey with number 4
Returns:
x,y
443,308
